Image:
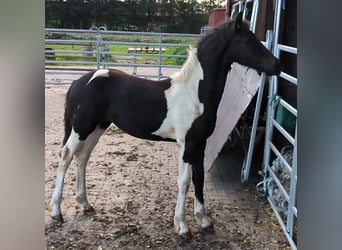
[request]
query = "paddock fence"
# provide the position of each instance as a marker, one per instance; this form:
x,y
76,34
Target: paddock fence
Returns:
x,y
75,51
280,174
279,166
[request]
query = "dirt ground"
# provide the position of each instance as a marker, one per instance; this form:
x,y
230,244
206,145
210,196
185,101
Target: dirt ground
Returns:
x,y
132,184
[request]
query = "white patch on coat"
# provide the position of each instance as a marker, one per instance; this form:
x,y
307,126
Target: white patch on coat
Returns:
x,y
200,214
71,147
83,157
182,100
99,73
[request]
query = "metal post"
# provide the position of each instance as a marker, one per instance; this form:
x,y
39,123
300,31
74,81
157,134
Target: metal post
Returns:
x,y
268,131
160,56
276,29
135,60
271,102
98,44
287,224
247,163
292,195
254,15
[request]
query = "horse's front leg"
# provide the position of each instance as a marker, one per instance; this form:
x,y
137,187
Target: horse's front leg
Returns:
x,y
195,155
199,210
184,177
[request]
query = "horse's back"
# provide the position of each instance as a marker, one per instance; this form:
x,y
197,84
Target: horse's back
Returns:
x,y
138,106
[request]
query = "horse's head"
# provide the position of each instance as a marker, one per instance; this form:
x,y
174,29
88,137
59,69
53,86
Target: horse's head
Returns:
x,y
246,49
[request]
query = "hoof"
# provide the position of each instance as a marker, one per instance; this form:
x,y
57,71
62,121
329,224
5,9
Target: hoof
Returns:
x,y
208,229
183,235
89,211
186,236
57,218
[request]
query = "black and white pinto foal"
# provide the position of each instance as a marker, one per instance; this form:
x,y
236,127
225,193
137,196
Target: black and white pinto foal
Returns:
x,y
182,109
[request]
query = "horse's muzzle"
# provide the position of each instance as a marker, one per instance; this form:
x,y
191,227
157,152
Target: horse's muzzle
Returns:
x,y
277,68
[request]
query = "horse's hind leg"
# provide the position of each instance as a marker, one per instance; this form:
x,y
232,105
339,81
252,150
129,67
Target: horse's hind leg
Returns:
x,y
67,153
83,157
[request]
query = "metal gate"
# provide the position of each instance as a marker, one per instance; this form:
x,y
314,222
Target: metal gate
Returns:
x,y
280,161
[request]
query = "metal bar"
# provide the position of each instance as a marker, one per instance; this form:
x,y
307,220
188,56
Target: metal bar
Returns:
x,y
278,154
65,72
282,224
268,131
98,44
71,41
68,51
293,208
69,62
120,32
160,56
255,9
58,83
141,54
288,77
82,41
288,107
286,48
70,30
276,27
277,181
140,65
147,44
246,168
235,6
293,184
113,64
283,132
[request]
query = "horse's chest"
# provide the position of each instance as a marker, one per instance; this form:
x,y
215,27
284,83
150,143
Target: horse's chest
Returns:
x,y
183,108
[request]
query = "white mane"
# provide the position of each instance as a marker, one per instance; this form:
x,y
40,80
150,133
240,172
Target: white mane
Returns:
x,y
189,68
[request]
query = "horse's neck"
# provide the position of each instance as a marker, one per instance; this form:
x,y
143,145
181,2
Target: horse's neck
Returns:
x,y
214,82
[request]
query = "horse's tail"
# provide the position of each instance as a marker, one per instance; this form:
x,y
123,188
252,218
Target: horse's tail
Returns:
x,y
67,122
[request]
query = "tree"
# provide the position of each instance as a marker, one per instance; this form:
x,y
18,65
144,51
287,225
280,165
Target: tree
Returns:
x,y
181,16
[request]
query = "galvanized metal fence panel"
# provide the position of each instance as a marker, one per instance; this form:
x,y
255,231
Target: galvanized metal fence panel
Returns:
x,y
280,189
70,51
280,175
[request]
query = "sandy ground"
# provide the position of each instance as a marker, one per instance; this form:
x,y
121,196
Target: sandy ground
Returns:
x,y
132,184
60,74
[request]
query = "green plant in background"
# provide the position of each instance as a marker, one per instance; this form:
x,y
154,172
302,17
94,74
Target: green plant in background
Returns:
x,y
175,60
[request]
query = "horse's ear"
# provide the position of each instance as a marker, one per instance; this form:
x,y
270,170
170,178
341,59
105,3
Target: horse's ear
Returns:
x,y
238,21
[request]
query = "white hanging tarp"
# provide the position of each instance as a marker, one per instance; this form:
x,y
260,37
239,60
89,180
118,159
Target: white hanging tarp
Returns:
x,y
241,85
